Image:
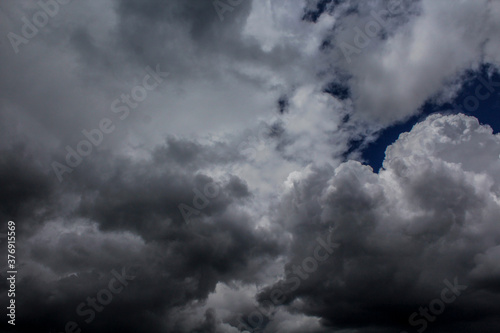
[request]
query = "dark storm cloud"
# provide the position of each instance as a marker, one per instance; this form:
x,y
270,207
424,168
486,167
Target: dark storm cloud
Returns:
x,y
127,213
222,199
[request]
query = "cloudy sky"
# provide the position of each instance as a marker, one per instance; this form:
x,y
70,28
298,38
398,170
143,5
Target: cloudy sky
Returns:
x,y
273,166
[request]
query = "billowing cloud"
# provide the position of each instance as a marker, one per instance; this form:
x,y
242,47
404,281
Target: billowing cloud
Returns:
x,y
206,157
430,215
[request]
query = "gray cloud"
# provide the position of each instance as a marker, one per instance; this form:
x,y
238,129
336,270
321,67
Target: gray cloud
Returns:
x,y
425,218
216,187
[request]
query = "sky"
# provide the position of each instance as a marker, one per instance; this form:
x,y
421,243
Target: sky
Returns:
x,y
271,166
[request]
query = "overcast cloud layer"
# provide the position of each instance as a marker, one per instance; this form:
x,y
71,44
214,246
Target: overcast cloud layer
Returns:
x,y
201,162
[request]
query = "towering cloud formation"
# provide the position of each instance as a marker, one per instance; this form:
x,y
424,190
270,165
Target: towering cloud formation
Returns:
x,y
430,215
